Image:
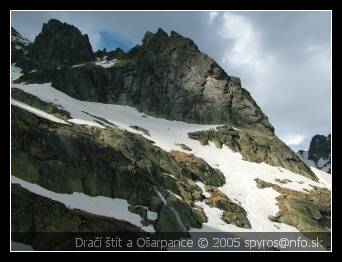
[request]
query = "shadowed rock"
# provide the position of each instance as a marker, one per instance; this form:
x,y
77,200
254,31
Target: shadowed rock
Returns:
x,y
58,45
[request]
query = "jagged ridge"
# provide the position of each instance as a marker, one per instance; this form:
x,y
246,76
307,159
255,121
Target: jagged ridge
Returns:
x,y
319,153
167,76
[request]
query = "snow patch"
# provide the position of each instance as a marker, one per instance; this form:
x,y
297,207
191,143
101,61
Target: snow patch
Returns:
x,y
174,194
106,63
37,112
79,65
202,187
15,73
85,122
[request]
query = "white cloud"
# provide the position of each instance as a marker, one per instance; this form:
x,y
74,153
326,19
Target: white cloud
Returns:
x,y
293,139
244,55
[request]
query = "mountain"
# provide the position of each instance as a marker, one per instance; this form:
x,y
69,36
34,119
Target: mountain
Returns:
x,y
319,155
158,139
167,77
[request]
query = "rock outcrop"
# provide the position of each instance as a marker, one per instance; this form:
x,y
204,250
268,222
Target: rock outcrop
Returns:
x,y
255,146
232,212
118,53
198,169
308,212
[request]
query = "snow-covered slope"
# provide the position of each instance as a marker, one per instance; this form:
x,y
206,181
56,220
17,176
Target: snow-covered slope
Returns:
x,y
240,175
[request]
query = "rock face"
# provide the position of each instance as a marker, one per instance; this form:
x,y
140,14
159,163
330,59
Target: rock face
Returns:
x,y
256,147
198,169
319,154
58,45
167,76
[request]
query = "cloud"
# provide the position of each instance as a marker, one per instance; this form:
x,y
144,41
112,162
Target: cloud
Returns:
x,y
293,139
245,53
282,58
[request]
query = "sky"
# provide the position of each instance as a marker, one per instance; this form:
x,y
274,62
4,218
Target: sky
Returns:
x,y
282,58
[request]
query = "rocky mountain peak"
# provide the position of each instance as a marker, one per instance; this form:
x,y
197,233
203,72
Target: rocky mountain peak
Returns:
x,y
155,38
320,147
162,40
319,153
54,23
58,45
